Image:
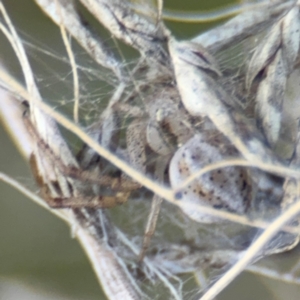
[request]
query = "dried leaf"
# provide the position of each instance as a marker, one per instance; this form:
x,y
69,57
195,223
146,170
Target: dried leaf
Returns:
x,y
274,58
129,27
203,96
64,12
269,98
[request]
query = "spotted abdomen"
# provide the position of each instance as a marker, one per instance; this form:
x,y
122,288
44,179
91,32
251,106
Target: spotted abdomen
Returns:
x,y
227,188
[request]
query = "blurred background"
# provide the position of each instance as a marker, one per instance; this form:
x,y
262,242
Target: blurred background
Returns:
x,y
38,257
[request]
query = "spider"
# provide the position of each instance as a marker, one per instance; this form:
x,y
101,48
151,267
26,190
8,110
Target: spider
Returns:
x,y
181,138
149,145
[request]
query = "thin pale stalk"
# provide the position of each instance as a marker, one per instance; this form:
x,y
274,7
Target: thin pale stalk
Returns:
x,y
74,70
86,38
273,274
252,252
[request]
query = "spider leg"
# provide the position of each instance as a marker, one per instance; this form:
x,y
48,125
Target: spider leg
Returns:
x,y
121,185
161,165
151,226
90,202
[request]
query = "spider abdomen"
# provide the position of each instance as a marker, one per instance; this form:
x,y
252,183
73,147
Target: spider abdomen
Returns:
x,y
228,188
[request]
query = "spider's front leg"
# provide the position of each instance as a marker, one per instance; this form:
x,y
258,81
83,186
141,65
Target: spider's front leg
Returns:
x,y
100,201
119,188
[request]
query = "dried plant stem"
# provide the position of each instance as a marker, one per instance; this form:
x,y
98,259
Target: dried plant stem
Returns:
x,y
74,25
211,16
36,199
284,277
283,171
202,16
252,251
105,264
242,26
74,69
